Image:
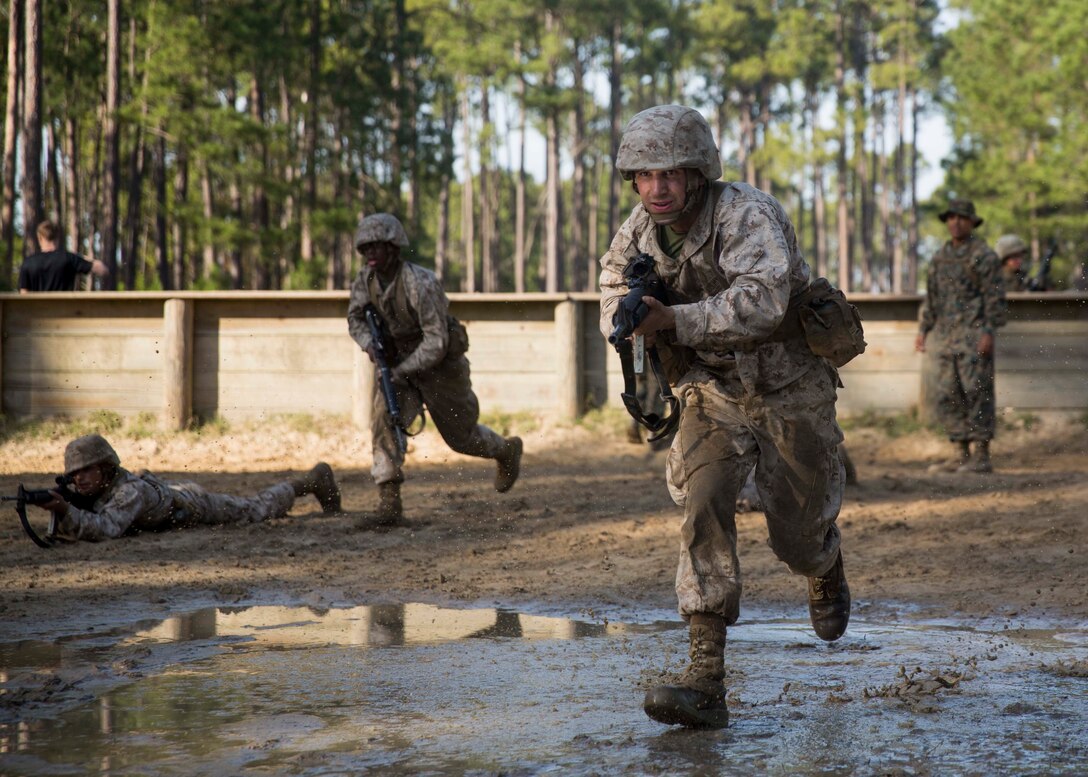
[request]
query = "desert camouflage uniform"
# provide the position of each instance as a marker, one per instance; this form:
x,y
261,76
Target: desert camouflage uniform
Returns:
x,y
432,371
749,399
965,297
144,502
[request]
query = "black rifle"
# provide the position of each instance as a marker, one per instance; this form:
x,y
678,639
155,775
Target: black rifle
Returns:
x,y
642,281
41,496
384,352
1042,278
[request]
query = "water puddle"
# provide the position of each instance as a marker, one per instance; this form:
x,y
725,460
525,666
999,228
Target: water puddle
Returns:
x,y
409,689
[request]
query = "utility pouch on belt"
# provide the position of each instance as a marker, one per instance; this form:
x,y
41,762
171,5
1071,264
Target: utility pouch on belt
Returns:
x,y
832,326
458,344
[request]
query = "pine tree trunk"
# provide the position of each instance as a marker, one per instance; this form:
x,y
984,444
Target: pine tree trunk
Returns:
x,y
468,215
912,239
180,230
72,203
162,235
112,170
898,231
442,239
260,218
32,126
133,219
487,214
615,82
309,204
552,235
519,184
842,172
553,239
287,212
11,138
53,185
578,180
208,254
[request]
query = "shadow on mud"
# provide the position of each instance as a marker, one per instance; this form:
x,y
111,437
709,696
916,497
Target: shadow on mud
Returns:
x,y
404,689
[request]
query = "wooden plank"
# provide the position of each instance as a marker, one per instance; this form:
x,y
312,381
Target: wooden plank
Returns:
x,y
1049,390
85,352
898,391
178,363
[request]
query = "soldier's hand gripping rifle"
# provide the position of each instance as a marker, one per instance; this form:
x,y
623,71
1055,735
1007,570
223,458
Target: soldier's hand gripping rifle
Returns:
x,y
1041,281
383,353
41,496
642,281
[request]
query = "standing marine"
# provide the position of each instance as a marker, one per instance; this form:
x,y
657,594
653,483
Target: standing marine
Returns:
x,y
963,307
429,367
753,392
1012,252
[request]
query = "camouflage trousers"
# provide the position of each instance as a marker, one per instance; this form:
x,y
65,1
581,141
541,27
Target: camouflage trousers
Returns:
x,y
195,505
791,437
446,391
965,396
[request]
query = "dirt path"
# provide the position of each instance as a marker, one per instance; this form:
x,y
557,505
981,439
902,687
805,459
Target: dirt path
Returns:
x,y
589,525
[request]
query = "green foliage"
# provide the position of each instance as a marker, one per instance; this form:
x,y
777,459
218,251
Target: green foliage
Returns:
x,y
1019,111
252,128
63,428
1020,421
891,424
507,423
215,426
609,420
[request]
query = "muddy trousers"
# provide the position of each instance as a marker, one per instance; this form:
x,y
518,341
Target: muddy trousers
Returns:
x,y
791,437
194,505
446,391
965,396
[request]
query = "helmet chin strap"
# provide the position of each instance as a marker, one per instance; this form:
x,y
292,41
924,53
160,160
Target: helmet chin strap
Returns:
x,y
696,195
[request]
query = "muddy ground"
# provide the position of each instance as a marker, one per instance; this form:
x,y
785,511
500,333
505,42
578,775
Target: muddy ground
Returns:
x,y
589,525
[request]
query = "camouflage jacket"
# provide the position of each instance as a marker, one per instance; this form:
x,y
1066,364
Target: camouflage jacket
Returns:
x,y
730,286
415,311
1015,280
130,503
965,295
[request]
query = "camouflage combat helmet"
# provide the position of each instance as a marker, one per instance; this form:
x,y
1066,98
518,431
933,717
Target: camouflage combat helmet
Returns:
x,y
380,228
1009,245
961,208
87,450
668,137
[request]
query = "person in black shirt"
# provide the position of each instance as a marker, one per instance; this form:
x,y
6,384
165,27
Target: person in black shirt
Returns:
x,y
53,268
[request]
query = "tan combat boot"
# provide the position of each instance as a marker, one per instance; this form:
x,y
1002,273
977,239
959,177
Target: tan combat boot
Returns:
x,y
508,465
829,602
957,460
698,699
979,460
320,482
390,510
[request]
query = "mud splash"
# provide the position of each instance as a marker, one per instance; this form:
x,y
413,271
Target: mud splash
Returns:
x,y
405,689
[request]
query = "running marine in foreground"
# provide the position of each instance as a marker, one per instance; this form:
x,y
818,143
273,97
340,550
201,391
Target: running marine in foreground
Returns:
x,y
753,392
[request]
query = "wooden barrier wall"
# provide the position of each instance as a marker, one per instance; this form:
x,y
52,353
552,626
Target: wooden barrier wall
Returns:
x,y
241,355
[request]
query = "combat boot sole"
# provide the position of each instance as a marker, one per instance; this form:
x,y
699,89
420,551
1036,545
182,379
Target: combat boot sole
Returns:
x,y
678,706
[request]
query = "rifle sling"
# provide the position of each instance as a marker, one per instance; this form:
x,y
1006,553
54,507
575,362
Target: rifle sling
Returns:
x,y
662,426
20,508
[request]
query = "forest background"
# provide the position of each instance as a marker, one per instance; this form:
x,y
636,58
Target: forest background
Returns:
x,y
233,144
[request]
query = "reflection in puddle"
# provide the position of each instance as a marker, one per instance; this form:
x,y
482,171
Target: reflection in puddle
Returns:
x,y
402,689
